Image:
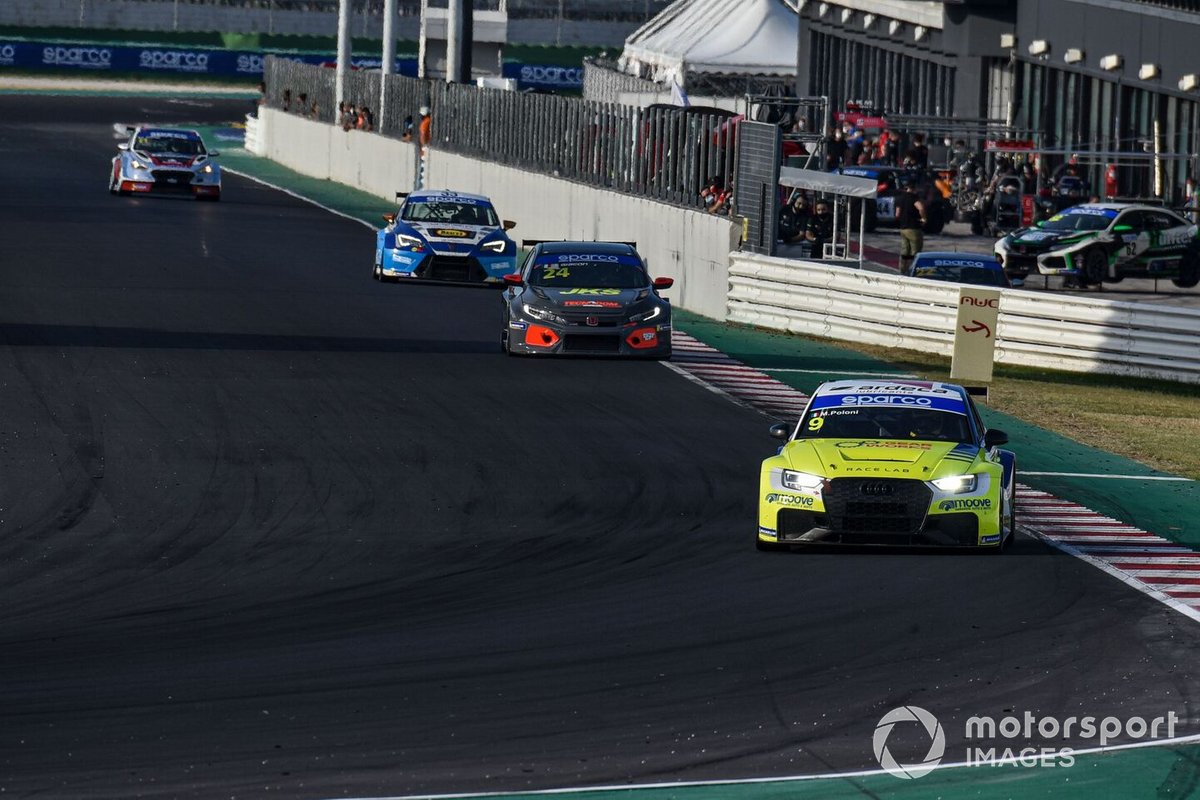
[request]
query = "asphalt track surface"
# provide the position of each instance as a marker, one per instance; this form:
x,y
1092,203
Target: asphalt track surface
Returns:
x,y
271,527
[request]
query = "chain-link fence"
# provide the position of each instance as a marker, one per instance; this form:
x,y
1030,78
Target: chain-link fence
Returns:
x,y
668,154
604,83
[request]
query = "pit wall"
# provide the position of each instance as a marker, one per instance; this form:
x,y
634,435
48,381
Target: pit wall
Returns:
x,y
690,246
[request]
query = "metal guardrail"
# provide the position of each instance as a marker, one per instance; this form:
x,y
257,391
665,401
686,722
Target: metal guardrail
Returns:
x,y
662,153
1076,334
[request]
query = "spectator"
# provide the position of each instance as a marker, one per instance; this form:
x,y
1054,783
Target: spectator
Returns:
x,y
314,111
819,230
793,219
919,152
349,116
425,127
835,150
716,195
262,98
910,215
302,103
287,99
408,129
854,145
889,148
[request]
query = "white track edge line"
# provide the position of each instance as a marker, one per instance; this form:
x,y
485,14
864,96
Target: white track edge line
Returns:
x,y
297,195
866,773
1111,477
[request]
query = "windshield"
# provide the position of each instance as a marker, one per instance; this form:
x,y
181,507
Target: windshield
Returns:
x,y
450,211
590,271
908,424
978,276
1080,219
176,144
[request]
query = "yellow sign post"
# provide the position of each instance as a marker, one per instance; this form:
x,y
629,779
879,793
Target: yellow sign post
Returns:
x,y
975,335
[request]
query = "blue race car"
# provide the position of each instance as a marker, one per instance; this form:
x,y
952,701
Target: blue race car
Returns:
x,y
973,268
445,236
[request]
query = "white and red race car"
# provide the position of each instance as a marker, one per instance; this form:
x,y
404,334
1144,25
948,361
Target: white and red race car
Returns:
x,y
170,160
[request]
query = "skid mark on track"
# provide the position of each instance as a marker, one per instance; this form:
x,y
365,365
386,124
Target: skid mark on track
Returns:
x,y
1146,562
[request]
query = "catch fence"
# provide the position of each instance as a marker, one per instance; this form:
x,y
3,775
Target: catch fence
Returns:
x,y
666,154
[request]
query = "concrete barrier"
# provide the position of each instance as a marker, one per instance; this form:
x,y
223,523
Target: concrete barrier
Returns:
x,y
690,246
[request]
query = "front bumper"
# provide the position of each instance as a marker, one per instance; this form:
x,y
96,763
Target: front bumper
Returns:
x,y
172,181
428,265
909,515
636,340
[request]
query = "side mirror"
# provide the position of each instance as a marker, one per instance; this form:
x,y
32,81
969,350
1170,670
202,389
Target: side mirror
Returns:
x,y
1122,228
994,438
390,219
513,279
123,146
781,430
1040,223
664,283
509,224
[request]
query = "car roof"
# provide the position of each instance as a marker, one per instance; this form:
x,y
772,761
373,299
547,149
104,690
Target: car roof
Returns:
x,y
1111,207
426,195
604,248
892,393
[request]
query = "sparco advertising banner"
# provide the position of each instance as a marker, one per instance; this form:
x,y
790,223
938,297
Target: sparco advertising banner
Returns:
x,y
544,76
194,61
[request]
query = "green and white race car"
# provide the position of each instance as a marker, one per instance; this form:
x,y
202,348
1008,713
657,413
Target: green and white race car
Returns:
x,y
903,463
1106,242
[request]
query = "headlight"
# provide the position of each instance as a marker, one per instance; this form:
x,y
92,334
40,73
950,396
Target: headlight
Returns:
x,y
956,484
208,168
801,480
543,314
497,246
647,315
404,240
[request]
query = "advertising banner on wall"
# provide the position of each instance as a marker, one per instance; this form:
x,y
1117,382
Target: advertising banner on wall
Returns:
x,y
172,60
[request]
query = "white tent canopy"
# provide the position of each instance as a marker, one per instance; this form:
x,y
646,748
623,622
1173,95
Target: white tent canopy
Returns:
x,y
716,37
827,182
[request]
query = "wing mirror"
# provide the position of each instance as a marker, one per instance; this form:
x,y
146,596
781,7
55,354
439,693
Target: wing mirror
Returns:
x,y
390,219
1122,228
781,430
123,146
994,438
513,279
664,283
509,224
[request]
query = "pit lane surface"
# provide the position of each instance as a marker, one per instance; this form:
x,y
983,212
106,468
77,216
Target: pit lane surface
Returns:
x,y
269,526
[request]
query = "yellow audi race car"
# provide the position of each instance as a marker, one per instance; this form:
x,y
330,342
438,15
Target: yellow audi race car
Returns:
x,y
903,463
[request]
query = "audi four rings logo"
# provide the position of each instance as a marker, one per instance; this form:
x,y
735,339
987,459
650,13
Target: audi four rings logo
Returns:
x,y
96,57
937,746
174,59
876,489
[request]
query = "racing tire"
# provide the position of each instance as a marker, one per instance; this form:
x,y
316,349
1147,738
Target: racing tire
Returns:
x,y
1189,268
1095,268
976,224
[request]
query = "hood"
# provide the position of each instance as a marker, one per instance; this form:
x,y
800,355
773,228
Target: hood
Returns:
x,y
1031,239
847,458
173,161
599,299
448,233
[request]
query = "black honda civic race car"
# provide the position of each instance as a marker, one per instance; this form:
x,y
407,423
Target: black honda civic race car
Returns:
x,y
585,298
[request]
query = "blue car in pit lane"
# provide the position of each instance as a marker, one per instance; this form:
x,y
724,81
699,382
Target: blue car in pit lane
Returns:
x,y
445,236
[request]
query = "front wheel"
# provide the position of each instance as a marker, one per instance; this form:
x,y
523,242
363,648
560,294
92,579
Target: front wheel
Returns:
x,y
1095,267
